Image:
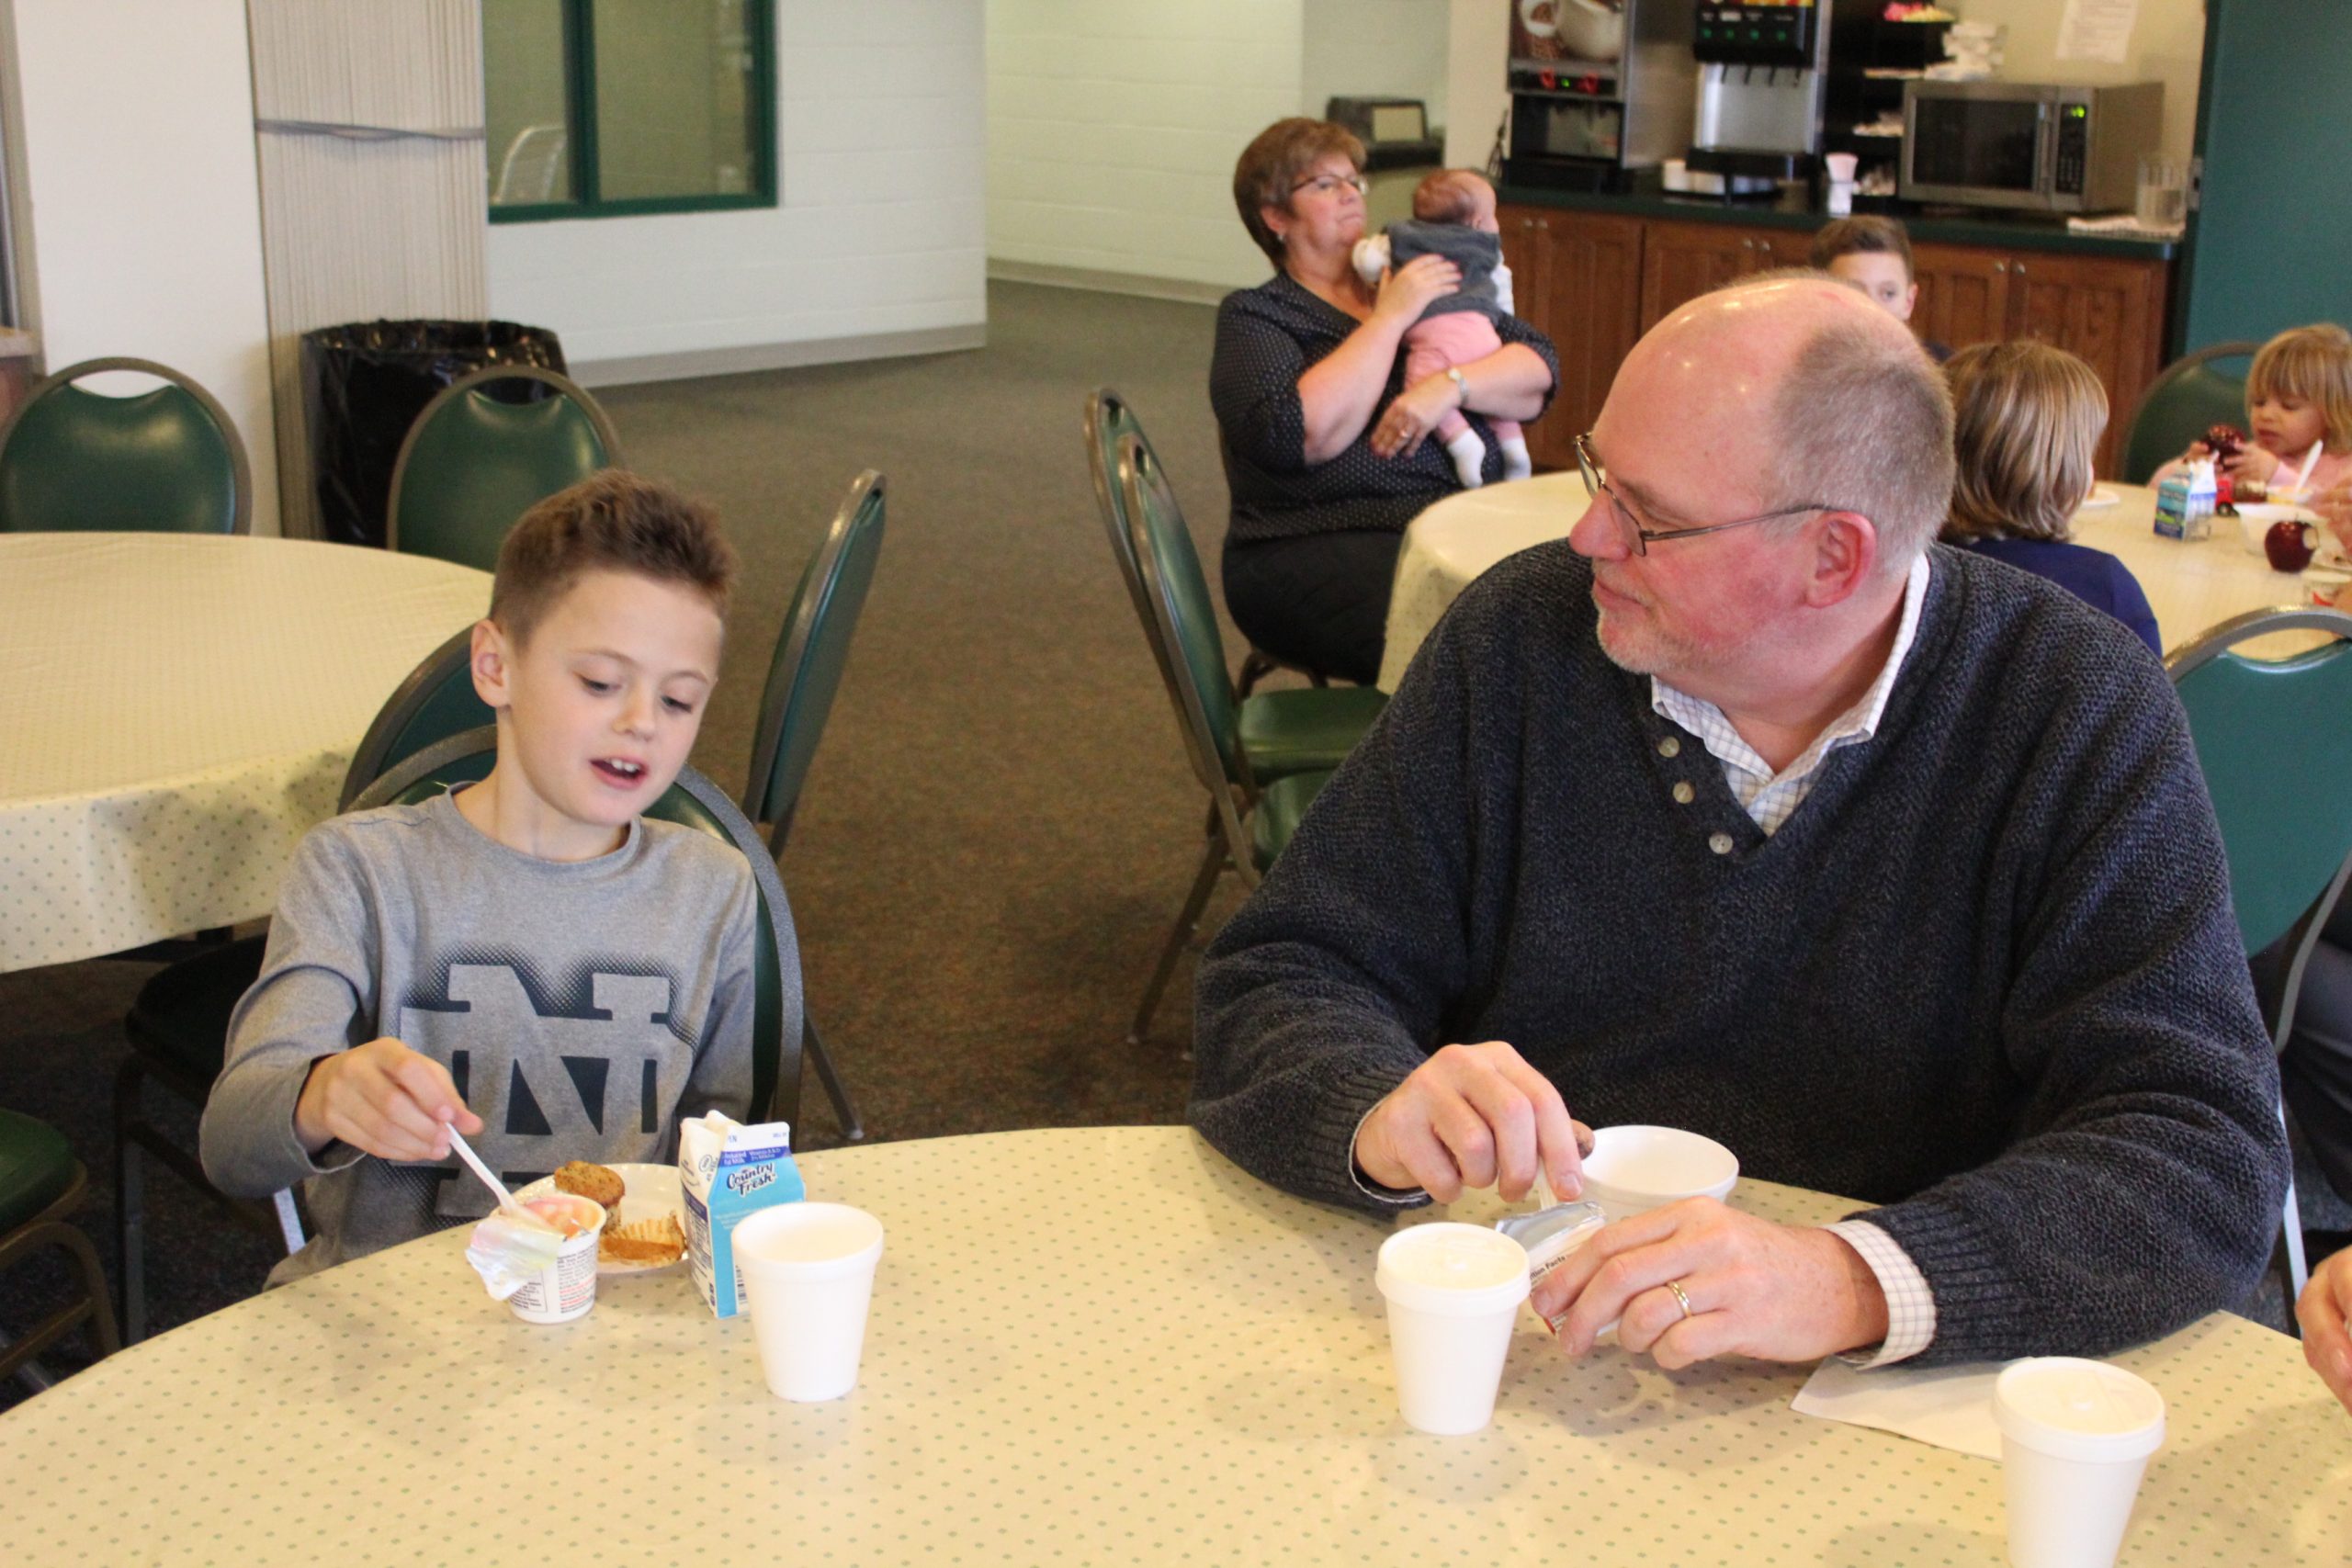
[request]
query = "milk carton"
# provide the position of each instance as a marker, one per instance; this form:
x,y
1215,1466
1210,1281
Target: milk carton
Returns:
x,y
728,1171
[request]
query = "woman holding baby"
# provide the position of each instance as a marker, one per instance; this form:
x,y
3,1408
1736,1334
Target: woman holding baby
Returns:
x,y
1327,451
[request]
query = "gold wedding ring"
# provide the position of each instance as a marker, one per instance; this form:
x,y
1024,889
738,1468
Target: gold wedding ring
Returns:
x,y
1679,1298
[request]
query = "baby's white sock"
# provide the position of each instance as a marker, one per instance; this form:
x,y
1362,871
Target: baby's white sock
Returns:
x,y
1469,455
1516,465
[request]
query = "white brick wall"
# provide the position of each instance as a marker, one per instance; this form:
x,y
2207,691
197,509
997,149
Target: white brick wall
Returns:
x,y
880,228
142,200
1114,125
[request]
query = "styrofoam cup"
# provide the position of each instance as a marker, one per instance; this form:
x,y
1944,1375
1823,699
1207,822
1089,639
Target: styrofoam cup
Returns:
x,y
1634,1170
808,1270
565,1289
2075,1437
1453,1292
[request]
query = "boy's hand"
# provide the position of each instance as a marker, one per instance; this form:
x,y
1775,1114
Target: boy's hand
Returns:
x,y
383,1098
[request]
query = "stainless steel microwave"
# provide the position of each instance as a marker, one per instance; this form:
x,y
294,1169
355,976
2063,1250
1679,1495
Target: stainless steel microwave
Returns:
x,y
2016,144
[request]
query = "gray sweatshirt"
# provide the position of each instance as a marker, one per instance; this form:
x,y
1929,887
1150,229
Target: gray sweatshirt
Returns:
x,y
581,1007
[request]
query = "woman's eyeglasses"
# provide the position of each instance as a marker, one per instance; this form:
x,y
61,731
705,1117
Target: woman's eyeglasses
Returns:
x,y
1332,184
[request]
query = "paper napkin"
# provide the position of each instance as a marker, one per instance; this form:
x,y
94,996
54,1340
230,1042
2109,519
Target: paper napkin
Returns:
x,y
1951,1407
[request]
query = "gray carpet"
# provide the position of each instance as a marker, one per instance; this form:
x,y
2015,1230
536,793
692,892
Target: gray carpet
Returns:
x,y
1001,821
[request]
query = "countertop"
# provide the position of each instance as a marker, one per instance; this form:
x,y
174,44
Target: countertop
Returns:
x,y
1794,210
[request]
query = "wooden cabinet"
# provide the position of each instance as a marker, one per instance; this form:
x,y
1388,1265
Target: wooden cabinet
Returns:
x,y
1594,282
1682,261
2107,312
1578,277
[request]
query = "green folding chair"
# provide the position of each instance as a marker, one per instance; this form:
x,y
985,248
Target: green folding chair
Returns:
x,y
179,1026
2191,396
1282,714
1251,817
40,1185
163,461
2271,736
694,802
803,678
472,464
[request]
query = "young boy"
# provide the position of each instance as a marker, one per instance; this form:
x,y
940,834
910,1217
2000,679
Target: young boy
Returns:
x,y
527,959
1874,255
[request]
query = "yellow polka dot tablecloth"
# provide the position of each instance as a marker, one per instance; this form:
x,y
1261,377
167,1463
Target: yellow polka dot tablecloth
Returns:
x,y
1097,1346
179,709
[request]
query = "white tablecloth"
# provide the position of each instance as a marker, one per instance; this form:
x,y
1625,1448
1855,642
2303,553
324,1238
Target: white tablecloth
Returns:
x,y
178,709
2189,586
1088,1345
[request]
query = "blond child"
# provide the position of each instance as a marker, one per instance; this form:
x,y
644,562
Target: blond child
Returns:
x,y
1453,217
2298,417
527,960
2026,424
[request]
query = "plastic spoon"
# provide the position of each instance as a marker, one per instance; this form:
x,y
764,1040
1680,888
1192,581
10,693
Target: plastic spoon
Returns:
x,y
473,1163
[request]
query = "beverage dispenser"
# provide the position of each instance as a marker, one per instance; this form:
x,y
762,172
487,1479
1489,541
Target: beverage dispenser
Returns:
x,y
1761,69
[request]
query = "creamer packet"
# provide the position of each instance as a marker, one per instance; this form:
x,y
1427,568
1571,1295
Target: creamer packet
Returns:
x,y
727,1170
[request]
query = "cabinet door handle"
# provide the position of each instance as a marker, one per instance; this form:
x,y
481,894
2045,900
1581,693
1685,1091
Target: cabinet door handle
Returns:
x,y
1748,244
1544,223
2020,269
2000,267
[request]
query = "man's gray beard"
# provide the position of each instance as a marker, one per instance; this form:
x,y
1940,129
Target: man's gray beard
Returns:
x,y
1655,661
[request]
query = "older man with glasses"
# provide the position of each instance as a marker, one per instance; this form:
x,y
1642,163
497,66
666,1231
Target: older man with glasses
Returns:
x,y
1748,809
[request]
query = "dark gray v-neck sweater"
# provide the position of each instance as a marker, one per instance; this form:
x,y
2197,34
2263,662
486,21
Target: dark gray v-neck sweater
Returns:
x,y
1988,975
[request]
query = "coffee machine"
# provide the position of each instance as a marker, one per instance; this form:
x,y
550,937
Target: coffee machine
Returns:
x,y
1600,89
1761,71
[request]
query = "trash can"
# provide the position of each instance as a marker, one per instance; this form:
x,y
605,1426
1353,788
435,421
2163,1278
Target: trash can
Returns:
x,y
365,382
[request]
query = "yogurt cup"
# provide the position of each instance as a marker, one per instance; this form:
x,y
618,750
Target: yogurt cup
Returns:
x,y
1453,1292
2075,1438
565,1289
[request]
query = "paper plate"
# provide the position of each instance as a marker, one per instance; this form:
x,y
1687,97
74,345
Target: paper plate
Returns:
x,y
651,1190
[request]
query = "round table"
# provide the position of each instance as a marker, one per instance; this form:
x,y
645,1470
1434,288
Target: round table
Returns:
x,y
2191,586
180,709
1102,1345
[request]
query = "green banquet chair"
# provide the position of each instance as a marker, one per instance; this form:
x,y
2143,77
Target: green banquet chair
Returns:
x,y
2276,757
1109,417
472,464
41,1184
163,461
803,677
2192,395
1251,816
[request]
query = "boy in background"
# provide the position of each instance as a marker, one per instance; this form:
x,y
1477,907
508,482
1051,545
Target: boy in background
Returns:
x,y
526,959
1873,254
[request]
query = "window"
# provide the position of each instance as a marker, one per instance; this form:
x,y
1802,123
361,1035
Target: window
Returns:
x,y
598,107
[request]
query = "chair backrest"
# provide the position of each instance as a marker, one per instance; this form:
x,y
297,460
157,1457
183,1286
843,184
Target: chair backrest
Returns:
x,y
1108,419
471,465
438,700
694,802
2194,394
1183,618
163,461
2277,753
810,655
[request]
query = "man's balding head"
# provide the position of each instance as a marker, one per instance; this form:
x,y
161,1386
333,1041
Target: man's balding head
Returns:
x,y
1853,414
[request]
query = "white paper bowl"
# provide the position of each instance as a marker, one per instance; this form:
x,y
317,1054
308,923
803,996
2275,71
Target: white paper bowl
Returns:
x,y
1634,1170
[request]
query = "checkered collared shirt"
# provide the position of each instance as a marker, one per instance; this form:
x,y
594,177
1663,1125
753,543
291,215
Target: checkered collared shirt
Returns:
x,y
1771,799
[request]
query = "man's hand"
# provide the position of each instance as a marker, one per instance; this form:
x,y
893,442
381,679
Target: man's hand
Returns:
x,y
1776,1293
2327,1345
384,1099
1473,1116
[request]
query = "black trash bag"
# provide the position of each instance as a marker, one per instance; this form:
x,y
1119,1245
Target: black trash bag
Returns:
x,y
365,382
